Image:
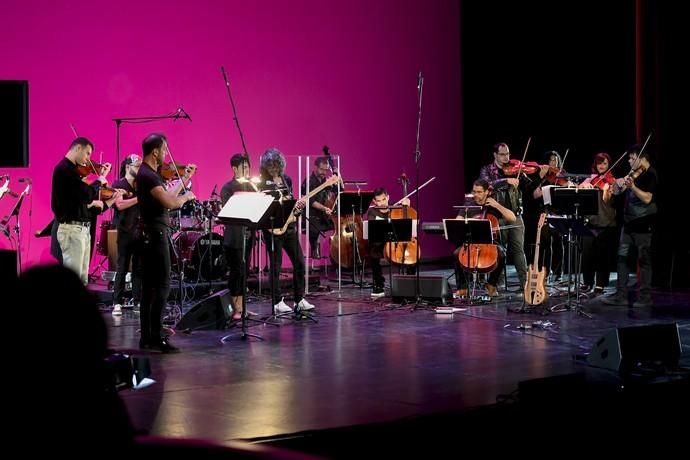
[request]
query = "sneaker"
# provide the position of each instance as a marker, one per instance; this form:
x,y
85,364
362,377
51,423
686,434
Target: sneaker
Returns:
x,y
117,310
616,298
491,290
377,291
281,307
598,290
304,305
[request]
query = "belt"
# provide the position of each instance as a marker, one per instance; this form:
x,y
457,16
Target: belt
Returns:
x,y
77,222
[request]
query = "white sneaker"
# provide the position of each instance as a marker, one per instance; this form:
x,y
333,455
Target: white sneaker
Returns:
x,y
281,307
117,310
304,305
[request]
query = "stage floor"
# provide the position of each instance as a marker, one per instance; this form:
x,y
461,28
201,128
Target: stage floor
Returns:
x,y
365,361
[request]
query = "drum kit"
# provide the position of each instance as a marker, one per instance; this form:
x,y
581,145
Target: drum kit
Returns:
x,y
196,245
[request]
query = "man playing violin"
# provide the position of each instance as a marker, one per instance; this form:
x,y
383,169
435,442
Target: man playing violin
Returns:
x,y
481,197
126,219
320,212
71,199
508,194
154,202
639,216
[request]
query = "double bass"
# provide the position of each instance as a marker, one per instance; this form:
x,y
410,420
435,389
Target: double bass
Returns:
x,y
405,252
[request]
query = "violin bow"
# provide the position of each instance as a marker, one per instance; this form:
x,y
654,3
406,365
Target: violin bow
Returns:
x,y
524,155
415,191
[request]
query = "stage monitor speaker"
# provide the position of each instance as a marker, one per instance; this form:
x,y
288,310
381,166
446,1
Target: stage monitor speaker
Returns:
x,y
213,312
654,346
431,287
14,123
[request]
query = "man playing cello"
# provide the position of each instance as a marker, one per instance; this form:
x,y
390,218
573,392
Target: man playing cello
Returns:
x,y
490,207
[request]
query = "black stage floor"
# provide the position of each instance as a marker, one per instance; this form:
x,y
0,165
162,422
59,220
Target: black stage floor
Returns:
x,y
366,362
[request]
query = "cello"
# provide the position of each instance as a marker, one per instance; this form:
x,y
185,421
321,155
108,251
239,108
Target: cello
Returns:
x,y
406,252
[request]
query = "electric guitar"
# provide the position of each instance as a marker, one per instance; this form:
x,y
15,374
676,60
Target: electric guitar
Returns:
x,y
535,289
299,205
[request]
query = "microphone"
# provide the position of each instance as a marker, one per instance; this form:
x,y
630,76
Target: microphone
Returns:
x,y
181,113
419,79
23,179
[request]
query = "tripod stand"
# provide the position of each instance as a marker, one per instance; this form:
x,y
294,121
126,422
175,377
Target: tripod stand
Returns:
x,y
574,203
17,228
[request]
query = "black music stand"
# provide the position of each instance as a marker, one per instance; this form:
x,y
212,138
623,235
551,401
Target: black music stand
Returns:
x,y
465,232
5,223
355,203
386,231
573,203
251,211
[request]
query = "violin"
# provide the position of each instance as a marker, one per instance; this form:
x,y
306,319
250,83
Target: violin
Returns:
x,y
554,177
515,166
169,171
90,168
107,193
603,181
403,253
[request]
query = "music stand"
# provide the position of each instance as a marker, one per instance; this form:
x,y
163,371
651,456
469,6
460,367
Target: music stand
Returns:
x,y
249,210
465,232
354,203
573,203
388,232
4,225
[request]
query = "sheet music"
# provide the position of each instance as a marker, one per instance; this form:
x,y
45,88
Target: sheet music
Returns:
x,y
246,205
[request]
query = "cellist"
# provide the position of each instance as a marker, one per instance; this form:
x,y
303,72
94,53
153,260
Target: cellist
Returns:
x,y
378,212
481,197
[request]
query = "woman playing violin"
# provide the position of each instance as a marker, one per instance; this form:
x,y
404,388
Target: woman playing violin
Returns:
x,y
481,197
597,250
639,215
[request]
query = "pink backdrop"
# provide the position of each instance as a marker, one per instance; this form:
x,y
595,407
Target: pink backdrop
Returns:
x,y
303,74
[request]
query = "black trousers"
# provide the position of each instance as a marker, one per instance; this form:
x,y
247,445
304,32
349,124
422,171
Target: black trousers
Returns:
x,y
128,250
597,255
317,225
290,243
236,266
642,241
155,286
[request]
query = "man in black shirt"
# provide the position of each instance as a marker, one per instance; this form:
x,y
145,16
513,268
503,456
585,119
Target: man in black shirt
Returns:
x,y
233,235
71,200
639,216
320,213
481,197
380,211
154,201
126,222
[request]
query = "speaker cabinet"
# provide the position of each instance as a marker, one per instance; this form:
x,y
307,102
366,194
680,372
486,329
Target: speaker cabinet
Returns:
x,y
654,346
213,312
432,288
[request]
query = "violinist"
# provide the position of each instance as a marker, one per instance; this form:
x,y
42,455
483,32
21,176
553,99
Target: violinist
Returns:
x,y
320,212
234,235
639,215
274,180
481,197
154,201
71,200
379,211
597,252
551,241
126,219
508,192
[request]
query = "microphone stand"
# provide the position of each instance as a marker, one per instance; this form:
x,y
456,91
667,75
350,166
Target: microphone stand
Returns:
x,y
417,157
234,110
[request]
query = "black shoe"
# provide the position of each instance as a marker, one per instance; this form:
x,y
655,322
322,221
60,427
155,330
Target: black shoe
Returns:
x,y
165,347
378,291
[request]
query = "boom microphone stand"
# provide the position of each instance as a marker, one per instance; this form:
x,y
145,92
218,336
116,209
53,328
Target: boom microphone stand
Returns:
x,y
417,156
